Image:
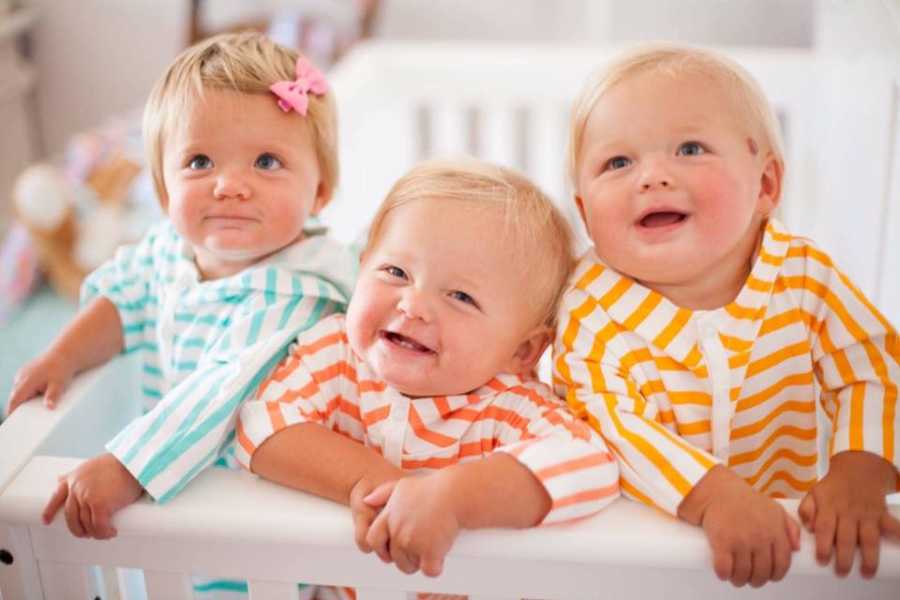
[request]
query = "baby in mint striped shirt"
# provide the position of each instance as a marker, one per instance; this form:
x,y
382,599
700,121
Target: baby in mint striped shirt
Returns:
x,y
241,139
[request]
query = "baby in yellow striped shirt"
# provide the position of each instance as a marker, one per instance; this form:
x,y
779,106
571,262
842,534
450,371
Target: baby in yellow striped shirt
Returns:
x,y
692,335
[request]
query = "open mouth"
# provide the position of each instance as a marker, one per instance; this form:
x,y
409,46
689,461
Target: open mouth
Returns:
x,y
662,218
405,342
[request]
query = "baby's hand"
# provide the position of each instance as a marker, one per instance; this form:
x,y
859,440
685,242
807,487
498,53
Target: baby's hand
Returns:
x,y
363,514
847,509
751,536
91,494
417,525
49,374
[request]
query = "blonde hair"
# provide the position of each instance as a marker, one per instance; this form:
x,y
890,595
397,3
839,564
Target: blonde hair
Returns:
x,y
247,63
674,60
540,234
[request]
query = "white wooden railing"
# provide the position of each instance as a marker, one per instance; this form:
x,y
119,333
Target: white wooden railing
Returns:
x,y
233,525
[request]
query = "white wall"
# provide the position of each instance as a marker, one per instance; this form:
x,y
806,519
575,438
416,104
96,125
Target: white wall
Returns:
x,y
96,58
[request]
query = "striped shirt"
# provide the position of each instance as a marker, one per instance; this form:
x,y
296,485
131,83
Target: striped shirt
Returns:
x,y
323,381
205,345
675,392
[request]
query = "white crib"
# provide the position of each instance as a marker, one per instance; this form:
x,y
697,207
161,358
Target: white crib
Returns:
x,y
399,103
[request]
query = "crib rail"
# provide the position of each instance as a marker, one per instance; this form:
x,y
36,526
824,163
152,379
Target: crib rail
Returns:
x,y
230,524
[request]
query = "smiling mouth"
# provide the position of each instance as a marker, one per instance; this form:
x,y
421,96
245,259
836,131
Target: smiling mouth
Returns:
x,y
228,218
663,218
405,342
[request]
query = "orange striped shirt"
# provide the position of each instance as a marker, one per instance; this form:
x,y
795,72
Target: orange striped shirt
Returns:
x,y
675,391
323,381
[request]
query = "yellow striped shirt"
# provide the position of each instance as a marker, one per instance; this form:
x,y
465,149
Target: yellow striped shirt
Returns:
x,y
675,391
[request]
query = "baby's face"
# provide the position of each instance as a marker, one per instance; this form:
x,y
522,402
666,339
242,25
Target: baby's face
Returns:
x,y
242,178
670,183
440,306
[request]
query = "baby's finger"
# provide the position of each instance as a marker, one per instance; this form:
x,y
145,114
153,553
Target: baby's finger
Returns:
x,y
742,568
380,495
52,395
761,562
432,566
869,546
824,529
21,393
73,518
87,521
845,545
807,511
405,561
781,560
793,531
56,502
723,563
378,537
362,520
101,520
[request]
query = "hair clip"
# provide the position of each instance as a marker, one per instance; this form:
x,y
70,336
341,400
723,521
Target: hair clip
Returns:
x,y
295,94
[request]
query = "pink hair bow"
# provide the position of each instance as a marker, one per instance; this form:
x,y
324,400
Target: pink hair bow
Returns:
x,y
295,94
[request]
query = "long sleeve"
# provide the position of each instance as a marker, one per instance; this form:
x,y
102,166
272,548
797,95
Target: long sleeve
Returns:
x,y
306,387
564,454
857,360
186,431
657,467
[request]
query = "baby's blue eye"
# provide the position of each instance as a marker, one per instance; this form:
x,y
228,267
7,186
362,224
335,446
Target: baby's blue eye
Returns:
x,y
267,162
463,297
690,149
617,162
395,272
200,162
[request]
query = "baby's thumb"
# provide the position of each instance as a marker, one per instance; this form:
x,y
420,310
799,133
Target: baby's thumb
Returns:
x,y
379,496
807,511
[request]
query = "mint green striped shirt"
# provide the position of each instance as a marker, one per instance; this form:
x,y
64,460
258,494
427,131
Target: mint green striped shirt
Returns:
x,y
204,346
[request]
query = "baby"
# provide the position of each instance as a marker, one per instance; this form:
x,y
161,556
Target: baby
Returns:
x,y
693,334
431,373
241,141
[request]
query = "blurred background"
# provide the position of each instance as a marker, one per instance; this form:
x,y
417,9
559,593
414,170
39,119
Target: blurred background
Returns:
x,y
74,75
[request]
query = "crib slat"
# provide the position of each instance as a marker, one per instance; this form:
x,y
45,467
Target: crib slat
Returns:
x,y
68,581
497,136
272,590
449,130
162,585
547,134
371,594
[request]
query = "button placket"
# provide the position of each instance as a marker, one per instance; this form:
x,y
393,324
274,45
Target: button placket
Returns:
x,y
167,328
395,431
720,381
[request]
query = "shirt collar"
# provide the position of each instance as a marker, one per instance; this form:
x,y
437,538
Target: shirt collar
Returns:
x,y
663,324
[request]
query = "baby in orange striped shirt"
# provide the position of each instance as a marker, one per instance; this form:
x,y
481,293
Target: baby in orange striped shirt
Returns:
x,y
693,334
431,372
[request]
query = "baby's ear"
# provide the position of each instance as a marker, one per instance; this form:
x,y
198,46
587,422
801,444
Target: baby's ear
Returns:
x,y
579,202
323,195
530,350
770,185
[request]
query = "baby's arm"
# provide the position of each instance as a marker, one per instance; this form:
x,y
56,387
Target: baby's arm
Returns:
x,y
92,338
555,467
857,363
303,429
